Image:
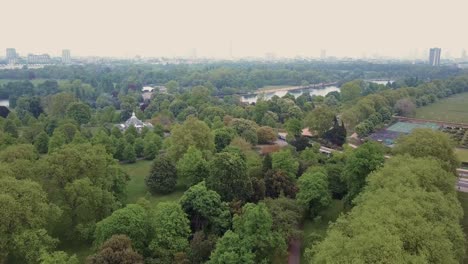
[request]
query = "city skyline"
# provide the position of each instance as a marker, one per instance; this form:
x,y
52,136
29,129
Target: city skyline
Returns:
x,y
222,29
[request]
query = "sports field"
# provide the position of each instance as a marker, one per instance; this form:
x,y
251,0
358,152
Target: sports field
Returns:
x,y
451,109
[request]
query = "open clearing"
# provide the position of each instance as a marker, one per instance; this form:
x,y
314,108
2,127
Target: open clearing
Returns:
x,y
451,109
462,154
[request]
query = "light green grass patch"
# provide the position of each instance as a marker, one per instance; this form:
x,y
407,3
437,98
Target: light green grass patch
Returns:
x,y
462,154
451,109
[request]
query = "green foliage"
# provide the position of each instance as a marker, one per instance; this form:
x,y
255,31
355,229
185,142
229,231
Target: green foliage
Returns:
x,y
129,154
287,216
171,232
24,208
41,143
228,177
278,182
205,209
10,128
153,143
191,133
231,249
201,247
117,249
266,135
79,112
313,193
428,143
30,244
163,176
362,161
223,137
192,167
351,90
283,160
408,204
320,120
20,151
59,257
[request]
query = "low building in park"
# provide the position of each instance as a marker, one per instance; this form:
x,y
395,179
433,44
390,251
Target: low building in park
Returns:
x,y
134,121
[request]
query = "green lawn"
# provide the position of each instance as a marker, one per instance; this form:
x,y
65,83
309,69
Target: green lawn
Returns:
x,y
463,198
453,109
462,154
136,187
319,228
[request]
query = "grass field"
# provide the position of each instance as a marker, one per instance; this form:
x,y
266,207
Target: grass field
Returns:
x,y
462,154
136,187
319,228
453,109
463,198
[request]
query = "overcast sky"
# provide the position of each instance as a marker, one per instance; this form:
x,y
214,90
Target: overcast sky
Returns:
x,y
253,27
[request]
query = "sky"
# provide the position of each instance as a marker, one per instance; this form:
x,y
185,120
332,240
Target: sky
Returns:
x,y
241,28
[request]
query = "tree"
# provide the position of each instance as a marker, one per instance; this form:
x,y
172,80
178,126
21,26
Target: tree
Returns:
x,y
397,218
351,90
313,193
201,247
320,120
163,175
131,221
362,161
192,167
294,127
129,153
171,231
18,152
287,216
246,129
79,112
59,257
283,160
42,143
10,128
223,137
56,105
117,250
255,227
139,146
24,208
336,135
279,183
85,205
192,132
29,244
153,143
205,209
266,135
228,177
428,143
405,107
232,249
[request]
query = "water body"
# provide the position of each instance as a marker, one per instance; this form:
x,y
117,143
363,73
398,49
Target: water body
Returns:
x,y
384,82
312,91
5,103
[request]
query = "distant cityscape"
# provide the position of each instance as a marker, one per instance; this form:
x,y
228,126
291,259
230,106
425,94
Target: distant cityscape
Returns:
x,y
14,60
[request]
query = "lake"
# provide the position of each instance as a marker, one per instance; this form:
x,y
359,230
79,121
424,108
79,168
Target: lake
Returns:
x,y
5,103
312,91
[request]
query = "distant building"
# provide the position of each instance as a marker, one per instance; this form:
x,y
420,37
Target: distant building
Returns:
x,y
463,56
134,121
323,54
11,55
39,59
147,89
66,56
434,56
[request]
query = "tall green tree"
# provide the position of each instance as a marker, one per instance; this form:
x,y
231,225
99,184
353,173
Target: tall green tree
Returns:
x,y
284,160
228,177
163,175
117,249
79,112
171,232
313,193
192,167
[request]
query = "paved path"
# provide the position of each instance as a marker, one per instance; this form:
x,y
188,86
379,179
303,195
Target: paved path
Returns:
x,y
294,252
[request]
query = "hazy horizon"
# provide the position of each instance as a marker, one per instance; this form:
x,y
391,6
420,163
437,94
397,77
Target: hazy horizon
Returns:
x,y
242,28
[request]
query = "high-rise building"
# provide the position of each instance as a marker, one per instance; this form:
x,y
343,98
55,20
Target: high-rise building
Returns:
x,y
434,56
66,56
11,55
